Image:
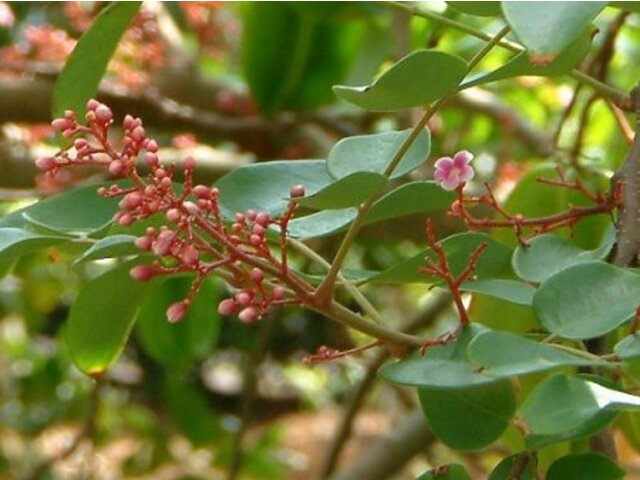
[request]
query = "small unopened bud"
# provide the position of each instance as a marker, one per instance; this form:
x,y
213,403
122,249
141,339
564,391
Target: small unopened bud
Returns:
x,y
151,159
152,146
263,218
173,215
117,168
190,255
243,298
102,191
297,191
93,104
252,214
240,217
61,124
131,201
128,122
125,219
255,240
191,207
162,245
189,163
248,315
142,273
259,229
46,163
144,242
201,191
103,113
227,307
138,134
278,293
256,274
177,312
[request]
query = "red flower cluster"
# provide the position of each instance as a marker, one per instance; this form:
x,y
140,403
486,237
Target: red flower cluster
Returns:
x,y
195,238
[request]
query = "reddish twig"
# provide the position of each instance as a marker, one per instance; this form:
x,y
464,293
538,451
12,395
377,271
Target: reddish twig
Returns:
x,y
440,268
604,203
326,354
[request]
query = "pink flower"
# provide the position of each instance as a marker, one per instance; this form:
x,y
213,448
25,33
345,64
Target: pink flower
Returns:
x,y
453,172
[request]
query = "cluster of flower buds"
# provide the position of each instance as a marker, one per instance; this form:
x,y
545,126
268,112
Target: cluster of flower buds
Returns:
x,y
195,237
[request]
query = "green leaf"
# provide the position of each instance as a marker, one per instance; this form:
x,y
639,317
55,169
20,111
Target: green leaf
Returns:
x,y
503,354
321,223
265,186
347,192
373,153
628,347
548,254
469,418
101,318
506,468
522,64
80,211
443,366
320,49
630,6
414,197
446,472
546,28
577,302
479,9
410,198
493,262
109,247
16,242
177,346
417,79
509,290
563,403
581,466
81,75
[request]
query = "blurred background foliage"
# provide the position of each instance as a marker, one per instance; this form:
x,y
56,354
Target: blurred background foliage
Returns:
x,y
232,84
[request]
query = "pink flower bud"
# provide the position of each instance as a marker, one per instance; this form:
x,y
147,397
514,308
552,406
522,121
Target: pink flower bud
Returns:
x,y
252,214
296,191
138,134
177,312
142,273
151,159
46,163
144,242
93,104
201,191
173,215
189,163
69,115
255,240
215,192
165,183
190,255
128,122
103,113
248,315
237,227
278,293
191,207
125,219
80,144
243,298
150,190
131,201
259,230
61,124
117,168
162,245
102,191
263,218
227,307
240,217
256,274
152,146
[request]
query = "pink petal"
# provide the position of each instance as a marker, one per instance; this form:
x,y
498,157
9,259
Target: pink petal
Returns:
x,y
439,176
450,183
462,159
466,174
444,164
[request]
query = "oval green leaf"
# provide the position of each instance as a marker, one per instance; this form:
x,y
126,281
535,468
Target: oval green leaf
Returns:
x,y
110,247
347,192
580,466
101,318
469,418
443,366
505,470
81,75
16,242
478,9
629,347
417,79
576,303
373,153
503,354
548,254
509,290
546,28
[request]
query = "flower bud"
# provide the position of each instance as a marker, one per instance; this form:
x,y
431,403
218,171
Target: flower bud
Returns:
x,y
278,293
138,134
248,315
144,242
201,191
263,218
177,311
190,255
243,298
256,274
152,146
46,163
93,104
142,273
173,215
189,163
103,114
191,207
117,168
61,124
227,307
296,191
